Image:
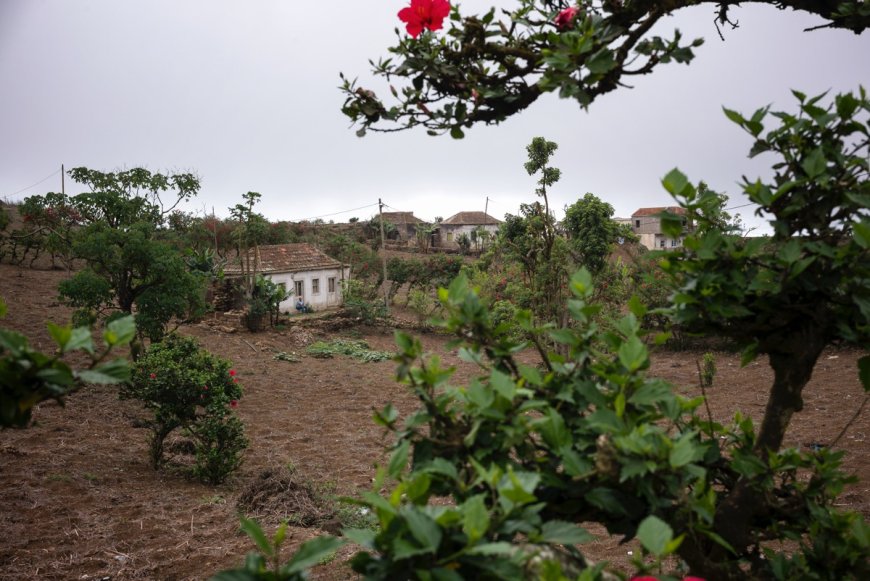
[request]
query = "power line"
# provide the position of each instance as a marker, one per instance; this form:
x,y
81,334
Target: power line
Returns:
x,y
36,184
743,206
336,213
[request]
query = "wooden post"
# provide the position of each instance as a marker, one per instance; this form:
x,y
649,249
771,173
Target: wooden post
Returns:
x,y
384,256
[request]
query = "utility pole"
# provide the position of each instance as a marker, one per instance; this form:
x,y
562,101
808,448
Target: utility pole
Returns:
x,y
214,227
384,256
485,210
62,186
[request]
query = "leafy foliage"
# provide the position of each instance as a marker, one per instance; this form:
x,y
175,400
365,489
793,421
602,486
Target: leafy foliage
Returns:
x,y
357,349
591,231
28,377
525,453
188,388
267,565
486,67
128,268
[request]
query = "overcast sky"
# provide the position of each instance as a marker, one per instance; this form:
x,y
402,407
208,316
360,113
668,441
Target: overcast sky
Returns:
x,y
245,95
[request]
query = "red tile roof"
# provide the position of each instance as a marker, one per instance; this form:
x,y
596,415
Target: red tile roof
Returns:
x,y
470,219
285,258
641,212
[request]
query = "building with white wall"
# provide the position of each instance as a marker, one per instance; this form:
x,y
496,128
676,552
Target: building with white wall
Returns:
x,y
302,269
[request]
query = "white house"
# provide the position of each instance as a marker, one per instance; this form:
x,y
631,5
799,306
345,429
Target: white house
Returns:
x,y
648,226
300,268
452,228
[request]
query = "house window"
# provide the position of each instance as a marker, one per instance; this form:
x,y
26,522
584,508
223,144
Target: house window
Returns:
x,y
674,242
450,237
637,223
300,286
662,243
315,286
330,283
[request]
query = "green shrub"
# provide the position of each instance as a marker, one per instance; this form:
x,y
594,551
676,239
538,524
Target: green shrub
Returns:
x,y
707,370
188,388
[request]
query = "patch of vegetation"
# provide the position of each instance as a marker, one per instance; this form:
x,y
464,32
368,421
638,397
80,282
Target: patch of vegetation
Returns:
x,y
357,349
188,388
284,356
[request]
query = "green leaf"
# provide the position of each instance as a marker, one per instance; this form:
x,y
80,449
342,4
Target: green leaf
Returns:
x,y
363,537
115,371
632,353
120,331
456,132
675,182
655,535
734,116
815,163
399,459
672,225
864,371
60,334
425,530
498,548
3,308
313,552
253,530
685,450
600,62
637,307
475,518
861,231
503,384
80,338
564,533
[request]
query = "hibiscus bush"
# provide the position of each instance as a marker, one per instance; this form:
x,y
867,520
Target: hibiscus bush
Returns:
x,y
187,388
450,71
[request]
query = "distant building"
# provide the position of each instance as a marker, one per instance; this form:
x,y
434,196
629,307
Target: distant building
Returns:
x,y
456,225
405,223
302,269
648,227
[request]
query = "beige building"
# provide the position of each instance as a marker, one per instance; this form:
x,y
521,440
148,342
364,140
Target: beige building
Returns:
x,y
648,226
456,225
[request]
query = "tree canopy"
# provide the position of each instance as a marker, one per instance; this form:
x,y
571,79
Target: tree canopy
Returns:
x,y
486,67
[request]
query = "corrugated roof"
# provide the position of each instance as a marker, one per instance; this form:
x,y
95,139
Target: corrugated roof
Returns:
x,y
470,219
285,258
641,212
396,218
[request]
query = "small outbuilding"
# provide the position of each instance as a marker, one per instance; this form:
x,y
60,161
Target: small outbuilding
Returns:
x,y
303,269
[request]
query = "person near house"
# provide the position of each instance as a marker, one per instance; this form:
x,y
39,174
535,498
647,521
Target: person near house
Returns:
x,y
300,305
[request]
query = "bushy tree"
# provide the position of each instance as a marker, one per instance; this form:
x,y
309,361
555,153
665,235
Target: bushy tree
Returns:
x,y
127,268
591,231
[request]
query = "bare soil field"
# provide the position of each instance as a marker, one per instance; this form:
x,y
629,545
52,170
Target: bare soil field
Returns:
x,y
79,500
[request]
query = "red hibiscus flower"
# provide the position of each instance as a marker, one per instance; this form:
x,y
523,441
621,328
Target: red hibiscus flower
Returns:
x,y
232,372
424,14
234,404
565,19
153,376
